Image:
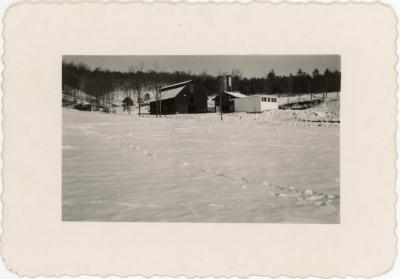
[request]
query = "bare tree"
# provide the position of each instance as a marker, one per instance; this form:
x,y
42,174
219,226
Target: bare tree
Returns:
x,y
139,84
236,72
155,89
127,87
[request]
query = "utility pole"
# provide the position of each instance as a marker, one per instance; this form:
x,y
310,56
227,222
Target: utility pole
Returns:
x,y
266,84
156,103
160,103
220,103
139,94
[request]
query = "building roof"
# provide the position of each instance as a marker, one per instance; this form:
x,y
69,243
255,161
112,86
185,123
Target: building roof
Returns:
x,y
236,94
263,95
168,87
170,91
233,94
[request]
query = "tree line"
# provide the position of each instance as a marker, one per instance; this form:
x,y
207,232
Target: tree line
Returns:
x,y
140,83
301,82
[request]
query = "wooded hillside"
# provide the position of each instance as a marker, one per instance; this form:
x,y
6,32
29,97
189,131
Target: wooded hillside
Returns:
x,y
99,82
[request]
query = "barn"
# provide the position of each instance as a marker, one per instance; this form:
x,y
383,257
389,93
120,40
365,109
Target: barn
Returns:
x,y
179,98
256,103
227,100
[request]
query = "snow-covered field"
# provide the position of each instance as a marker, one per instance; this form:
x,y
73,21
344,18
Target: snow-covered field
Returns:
x,y
269,167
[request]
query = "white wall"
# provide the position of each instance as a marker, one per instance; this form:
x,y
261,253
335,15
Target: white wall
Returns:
x,y
270,105
254,104
248,104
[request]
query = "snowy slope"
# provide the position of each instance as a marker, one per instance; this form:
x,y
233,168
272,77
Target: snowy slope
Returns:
x,y
195,168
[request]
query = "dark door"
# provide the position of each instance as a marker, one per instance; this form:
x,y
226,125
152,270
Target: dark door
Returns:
x,y
231,106
191,108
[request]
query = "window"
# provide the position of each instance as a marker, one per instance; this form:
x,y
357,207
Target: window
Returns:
x,y
263,99
269,99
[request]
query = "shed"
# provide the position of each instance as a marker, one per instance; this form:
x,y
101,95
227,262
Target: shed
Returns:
x,y
179,98
256,103
227,100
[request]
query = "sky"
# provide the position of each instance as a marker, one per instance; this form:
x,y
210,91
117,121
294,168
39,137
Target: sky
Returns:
x,y
249,65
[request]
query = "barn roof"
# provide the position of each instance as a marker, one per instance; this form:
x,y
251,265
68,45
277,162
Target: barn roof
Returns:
x,y
170,91
168,87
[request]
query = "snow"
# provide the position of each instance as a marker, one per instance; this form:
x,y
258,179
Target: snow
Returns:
x,y
269,167
236,94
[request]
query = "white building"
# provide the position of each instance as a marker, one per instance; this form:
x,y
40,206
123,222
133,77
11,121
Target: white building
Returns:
x,y
256,103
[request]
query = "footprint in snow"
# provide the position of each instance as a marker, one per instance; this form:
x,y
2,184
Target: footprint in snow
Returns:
x,y
153,205
94,202
216,205
129,204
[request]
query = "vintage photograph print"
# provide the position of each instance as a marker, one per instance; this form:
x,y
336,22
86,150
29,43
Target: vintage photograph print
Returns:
x,y
201,138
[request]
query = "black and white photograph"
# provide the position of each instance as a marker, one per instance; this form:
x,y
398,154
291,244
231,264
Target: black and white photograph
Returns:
x,y
201,138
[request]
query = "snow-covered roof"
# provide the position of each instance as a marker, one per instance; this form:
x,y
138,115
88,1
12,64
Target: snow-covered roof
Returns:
x,y
168,87
263,95
233,94
236,94
171,93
